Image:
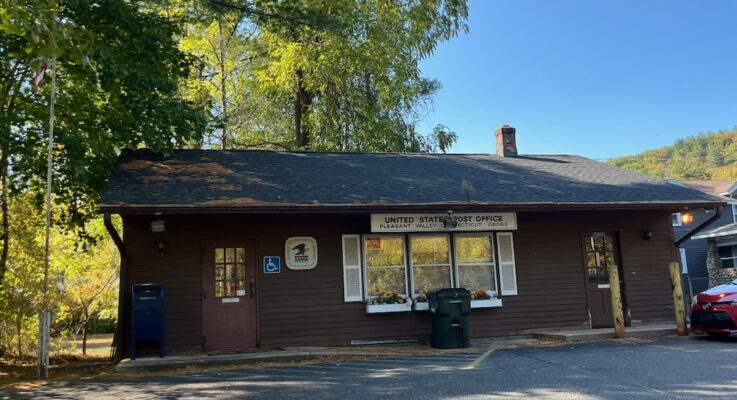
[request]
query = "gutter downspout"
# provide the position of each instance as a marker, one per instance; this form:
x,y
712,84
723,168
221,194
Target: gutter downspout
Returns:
x,y
117,346
699,228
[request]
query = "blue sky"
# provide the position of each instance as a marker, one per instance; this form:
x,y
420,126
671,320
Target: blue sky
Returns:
x,y
596,78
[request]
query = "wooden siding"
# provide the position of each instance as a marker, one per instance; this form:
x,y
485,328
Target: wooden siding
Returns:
x,y
307,308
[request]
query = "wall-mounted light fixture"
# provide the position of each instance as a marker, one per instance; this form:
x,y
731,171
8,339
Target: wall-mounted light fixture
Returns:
x,y
648,234
159,225
449,221
686,217
160,247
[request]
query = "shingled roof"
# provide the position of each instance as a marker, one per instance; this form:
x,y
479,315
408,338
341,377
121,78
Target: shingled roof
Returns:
x,y
715,187
231,181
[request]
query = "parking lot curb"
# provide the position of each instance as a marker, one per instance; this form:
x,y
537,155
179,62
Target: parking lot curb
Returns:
x,y
177,362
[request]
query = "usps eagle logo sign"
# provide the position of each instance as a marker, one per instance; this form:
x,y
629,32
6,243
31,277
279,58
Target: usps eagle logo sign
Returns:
x,y
301,252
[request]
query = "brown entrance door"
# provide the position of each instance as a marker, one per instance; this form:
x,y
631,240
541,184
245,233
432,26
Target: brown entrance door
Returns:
x,y
228,295
601,251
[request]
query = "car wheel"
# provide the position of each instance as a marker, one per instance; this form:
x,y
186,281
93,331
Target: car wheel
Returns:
x,y
718,334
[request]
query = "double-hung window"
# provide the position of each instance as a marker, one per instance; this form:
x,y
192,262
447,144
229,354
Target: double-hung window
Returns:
x,y
385,265
430,263
475,262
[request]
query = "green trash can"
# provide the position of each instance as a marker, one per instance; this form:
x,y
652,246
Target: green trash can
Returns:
x,y
449,309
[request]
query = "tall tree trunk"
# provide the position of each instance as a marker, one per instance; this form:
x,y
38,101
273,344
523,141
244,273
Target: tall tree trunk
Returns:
x,y
302,101
7,110
7,107
85,315
223,89
4,198
19,328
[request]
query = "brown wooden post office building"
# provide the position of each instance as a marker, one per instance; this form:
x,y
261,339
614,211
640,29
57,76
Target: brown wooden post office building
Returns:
x,y
268,249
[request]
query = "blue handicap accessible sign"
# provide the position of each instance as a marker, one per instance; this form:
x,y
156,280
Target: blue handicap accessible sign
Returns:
x,y
272,265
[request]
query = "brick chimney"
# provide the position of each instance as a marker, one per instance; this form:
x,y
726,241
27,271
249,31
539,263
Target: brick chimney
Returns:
x,y
506,143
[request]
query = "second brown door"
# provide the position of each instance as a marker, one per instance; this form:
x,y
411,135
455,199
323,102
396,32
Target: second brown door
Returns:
x,y
601,252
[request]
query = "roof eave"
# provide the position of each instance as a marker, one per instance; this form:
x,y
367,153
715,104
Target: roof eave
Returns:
x,y
378,207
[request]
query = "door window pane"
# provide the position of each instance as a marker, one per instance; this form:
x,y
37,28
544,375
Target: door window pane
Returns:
x,y
230,271
600,256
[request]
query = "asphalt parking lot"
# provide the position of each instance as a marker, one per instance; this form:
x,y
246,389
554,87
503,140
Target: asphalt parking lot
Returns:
x,y
670,367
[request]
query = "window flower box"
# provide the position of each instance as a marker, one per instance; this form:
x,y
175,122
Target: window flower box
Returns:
x,y
486,303
420,302
388,308
481,298
389,302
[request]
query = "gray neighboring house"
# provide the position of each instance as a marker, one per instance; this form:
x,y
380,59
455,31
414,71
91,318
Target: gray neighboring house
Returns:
x,y
709,257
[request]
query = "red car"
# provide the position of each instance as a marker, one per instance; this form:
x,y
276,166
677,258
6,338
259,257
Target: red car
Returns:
x,y
715,310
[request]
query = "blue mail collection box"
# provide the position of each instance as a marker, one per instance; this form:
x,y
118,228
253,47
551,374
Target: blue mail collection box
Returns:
x,y
147,315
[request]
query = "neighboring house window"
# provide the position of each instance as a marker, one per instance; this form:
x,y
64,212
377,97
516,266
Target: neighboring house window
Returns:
x,y
475,262
734,212
385,265
684,263
429,263
728,254
676,219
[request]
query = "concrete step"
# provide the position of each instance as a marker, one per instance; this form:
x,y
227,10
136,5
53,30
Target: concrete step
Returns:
x,y
585,334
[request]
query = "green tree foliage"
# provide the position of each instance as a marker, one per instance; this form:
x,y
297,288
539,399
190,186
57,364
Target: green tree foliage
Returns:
x,y
83,281
315,75
711,155
354,82
239,116
118,74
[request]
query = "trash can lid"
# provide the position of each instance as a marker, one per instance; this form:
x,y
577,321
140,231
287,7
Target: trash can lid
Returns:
x,y
452,292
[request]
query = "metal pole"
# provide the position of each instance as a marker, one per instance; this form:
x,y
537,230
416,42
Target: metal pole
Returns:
x,y
45,320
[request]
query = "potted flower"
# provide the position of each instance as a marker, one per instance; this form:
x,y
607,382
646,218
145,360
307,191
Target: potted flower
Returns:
x,y
388,302
420,302
481,298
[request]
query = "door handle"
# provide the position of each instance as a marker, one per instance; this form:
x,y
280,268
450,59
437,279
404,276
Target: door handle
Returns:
x,y
251,287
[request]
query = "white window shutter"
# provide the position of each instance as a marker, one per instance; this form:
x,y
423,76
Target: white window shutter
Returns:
x,y
684,263
507,268
352,277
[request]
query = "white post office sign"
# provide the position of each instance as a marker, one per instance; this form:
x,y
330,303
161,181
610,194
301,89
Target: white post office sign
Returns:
x,y
433,222
301,252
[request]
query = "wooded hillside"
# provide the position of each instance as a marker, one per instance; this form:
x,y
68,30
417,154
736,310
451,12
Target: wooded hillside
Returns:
x,y
711,155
